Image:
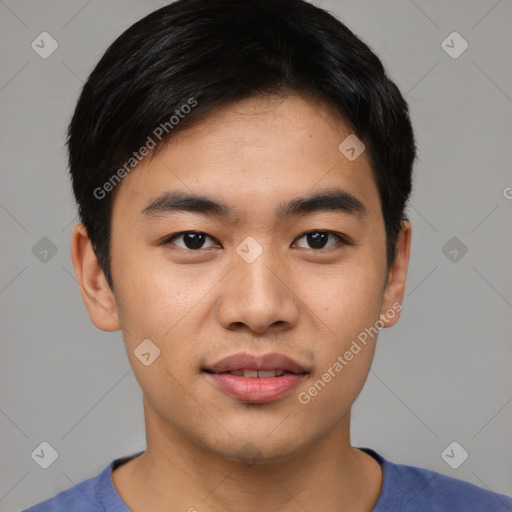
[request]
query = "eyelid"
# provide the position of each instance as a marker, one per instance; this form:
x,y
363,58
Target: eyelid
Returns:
x,y
168,239
342,239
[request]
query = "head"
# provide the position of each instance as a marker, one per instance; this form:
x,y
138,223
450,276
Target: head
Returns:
x,y
228,119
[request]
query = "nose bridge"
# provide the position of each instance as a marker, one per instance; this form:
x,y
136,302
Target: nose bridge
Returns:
x,y
257,276
256,266
257,296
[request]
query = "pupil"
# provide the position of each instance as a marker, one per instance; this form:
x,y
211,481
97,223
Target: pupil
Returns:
x,y
317,240
193,240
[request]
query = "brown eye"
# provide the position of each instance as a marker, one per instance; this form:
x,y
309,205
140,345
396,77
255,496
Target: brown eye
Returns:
x,y
320,239
192,240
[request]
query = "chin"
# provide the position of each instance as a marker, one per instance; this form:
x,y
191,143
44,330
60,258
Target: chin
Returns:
x,y
258,450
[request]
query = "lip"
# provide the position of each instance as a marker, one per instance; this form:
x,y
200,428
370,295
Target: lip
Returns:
x,y
256,389
245,361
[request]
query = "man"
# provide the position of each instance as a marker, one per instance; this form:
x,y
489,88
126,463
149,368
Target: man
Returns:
x,y
242,170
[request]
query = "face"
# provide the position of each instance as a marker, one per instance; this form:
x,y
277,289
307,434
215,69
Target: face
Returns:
x,y
252,237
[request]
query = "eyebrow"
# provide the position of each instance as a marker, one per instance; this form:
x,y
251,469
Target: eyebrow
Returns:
x,y
329,200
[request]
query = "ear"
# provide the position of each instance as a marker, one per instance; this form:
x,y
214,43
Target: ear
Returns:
x,y
395,287
96,293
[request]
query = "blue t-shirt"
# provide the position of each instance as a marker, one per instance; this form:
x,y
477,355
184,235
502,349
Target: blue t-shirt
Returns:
x,y
404,489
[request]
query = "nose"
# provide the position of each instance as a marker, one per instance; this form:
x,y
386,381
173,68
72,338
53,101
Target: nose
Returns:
x,y
259,296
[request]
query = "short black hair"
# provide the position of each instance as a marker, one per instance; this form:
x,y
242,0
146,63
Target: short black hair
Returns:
x,y
183,61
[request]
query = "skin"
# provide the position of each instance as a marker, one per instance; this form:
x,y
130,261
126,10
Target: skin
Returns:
x,y
206,449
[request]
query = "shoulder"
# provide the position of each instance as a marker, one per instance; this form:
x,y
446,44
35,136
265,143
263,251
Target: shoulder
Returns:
x,y
438,492
414,489
87,496
80,497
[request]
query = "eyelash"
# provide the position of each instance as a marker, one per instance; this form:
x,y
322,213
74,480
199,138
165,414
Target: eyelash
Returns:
x,y
342,240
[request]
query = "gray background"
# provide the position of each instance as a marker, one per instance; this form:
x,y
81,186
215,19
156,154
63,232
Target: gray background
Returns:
x,y
441,375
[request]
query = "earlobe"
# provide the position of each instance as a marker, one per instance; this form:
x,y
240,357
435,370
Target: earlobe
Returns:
x,y
96,293
395,288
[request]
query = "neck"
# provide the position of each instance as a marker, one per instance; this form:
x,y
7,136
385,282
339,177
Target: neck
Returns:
x,y
176,474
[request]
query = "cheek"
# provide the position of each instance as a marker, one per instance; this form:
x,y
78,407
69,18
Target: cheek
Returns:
x,y
349,304
163,307
349,298
151,295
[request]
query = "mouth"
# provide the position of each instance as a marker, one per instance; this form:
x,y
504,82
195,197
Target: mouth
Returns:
x,y
256,379
256,374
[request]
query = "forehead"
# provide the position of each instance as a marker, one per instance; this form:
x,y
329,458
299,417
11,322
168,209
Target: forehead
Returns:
x,y
254,153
